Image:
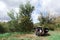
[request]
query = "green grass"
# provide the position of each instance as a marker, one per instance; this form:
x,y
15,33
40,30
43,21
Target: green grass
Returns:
x,y
54,35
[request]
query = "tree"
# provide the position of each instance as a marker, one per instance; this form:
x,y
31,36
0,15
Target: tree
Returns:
x,y
13,22
47,21
22,21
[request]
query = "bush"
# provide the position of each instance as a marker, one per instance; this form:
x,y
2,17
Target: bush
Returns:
x,y
25,26
22,21
2,29
11,26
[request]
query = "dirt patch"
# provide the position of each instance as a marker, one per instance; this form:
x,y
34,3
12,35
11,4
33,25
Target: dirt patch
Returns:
x,y
26,36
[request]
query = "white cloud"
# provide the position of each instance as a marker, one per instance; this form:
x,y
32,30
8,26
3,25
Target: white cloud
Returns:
x,y
2,6
34,2
35,17
14,3
53,6
16,10
3,9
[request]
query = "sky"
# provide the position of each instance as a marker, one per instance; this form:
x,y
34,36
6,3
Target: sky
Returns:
x,y
51,6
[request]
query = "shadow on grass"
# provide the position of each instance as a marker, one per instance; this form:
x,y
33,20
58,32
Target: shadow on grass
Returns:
x,y
45,35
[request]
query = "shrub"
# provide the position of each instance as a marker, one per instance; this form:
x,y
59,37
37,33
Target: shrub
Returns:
x,y
2,29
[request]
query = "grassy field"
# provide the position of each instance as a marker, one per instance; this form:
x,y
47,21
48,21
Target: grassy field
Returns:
x,y
54,35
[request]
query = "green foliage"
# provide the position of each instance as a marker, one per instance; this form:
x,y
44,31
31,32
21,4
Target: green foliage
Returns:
x,y
11,14
22,21
47,21
25,17
11,25
2,29
26,25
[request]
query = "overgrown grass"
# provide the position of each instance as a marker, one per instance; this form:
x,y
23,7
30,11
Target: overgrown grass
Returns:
x,y
54,35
